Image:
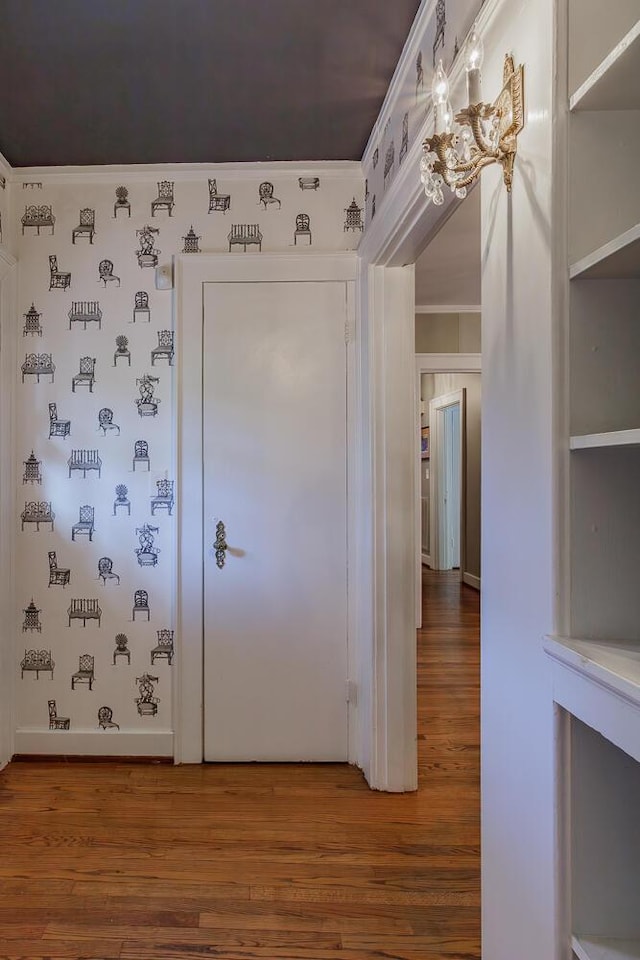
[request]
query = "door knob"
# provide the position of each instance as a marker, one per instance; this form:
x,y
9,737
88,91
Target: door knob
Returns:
x,y
220,544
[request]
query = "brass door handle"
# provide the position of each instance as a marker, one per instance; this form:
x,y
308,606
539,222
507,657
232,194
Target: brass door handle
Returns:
x,y
220,545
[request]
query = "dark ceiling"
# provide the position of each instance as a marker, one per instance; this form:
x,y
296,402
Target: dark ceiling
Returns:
x,y
152,81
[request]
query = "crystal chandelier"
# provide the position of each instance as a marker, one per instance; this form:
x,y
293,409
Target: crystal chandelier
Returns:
x,y
479,135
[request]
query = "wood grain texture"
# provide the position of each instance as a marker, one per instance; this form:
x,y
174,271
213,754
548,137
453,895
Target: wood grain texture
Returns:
x,y
297,862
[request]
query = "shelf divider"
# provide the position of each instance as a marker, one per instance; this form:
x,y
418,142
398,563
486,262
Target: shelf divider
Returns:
x,y
614,438
613,85
605,948
618,259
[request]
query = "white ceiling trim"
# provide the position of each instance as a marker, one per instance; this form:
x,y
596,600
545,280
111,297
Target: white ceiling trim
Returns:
x,y
408,55
185,172
449,308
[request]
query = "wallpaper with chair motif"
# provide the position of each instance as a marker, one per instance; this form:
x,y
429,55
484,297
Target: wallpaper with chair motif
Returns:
x,y
402,119
95,499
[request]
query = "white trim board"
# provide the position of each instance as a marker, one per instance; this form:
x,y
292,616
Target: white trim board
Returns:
x,y
408,55
192,272
448,363
94,743
471,580
185,172
8,287
448,308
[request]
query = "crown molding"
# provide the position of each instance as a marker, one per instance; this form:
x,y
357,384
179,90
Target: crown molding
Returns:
x,y
448,308
189,172
408,55
423,17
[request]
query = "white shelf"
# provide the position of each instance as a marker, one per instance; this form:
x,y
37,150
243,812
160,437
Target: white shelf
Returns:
x,y
619,259
605,948
599,682
615,438
615,83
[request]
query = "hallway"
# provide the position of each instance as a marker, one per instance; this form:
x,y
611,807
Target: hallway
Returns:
x,y
142,862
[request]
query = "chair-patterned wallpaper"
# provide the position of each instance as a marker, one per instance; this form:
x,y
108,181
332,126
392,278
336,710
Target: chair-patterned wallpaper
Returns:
x,y
95,504
446,26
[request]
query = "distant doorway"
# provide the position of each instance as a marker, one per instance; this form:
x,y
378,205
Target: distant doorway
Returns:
x,y
447,419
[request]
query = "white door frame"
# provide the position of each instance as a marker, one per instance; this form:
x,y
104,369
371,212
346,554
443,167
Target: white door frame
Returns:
x,y
192,272
8,290
433,363
436,441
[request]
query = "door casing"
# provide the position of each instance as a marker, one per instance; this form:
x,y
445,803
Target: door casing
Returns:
x,y
192,272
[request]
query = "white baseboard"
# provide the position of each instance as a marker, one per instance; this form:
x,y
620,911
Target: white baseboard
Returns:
x,y
426,559
471,581
95,743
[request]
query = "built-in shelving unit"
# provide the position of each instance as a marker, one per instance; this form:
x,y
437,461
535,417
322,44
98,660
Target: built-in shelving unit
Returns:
x,y
594,948
596,667
618,259
613,85
613,438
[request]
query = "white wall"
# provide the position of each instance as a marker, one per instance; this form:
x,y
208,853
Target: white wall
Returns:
x,y
116,388
448,333
518,547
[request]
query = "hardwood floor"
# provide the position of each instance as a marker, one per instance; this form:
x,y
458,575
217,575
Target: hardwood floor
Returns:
x,y
143,862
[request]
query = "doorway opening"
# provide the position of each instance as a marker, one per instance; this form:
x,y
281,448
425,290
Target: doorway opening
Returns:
x,y
448,399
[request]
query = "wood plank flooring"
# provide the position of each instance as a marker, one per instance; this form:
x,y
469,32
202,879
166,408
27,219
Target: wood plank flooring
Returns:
x,y
286,862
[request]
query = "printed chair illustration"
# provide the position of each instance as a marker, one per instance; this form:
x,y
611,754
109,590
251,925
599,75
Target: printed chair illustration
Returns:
x,y
56,722
164,350
146,702
141,454
85,672
85,375
122,648
122,201
141,604
218,201
84,526
122,350
86,226
37,661
37,511
164,649
164,200
303,228
58,280
265,192
164,498
146,553
147,404
122,499
32,326
141,306
105,421
105,273
105,570
57,428
58,576
105,720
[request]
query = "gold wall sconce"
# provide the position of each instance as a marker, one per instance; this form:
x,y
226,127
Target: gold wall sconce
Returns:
x,y
479,135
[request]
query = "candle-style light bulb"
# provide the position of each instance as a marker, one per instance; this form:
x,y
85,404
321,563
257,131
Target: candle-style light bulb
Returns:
x,y
440,94
474,55
448,117
440,85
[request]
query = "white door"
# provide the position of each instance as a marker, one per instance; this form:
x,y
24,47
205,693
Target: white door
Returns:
x,y
451,481
275,650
